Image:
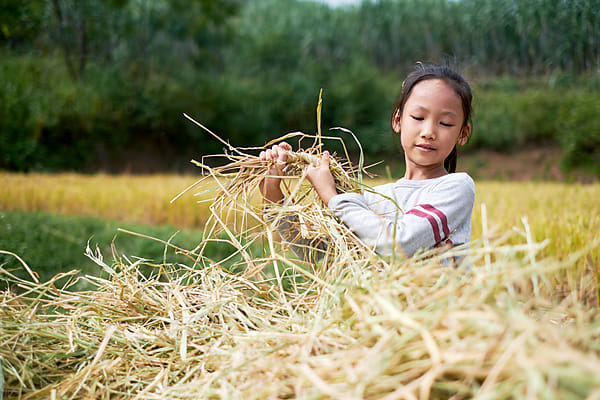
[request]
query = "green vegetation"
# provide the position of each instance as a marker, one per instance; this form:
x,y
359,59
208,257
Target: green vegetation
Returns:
x,y
51,243
86,85
508,118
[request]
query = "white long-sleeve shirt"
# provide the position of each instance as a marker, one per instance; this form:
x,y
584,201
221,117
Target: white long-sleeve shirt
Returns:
x,y
410,214
407,215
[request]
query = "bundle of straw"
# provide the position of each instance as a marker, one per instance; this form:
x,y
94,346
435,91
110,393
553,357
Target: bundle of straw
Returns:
x,y
414,329
237,210
363,327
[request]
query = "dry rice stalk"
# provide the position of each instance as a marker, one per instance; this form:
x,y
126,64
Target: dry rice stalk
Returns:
x,y
238,212
417,329
360,327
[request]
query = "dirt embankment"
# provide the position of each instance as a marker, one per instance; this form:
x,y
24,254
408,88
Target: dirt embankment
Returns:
x,y
542,163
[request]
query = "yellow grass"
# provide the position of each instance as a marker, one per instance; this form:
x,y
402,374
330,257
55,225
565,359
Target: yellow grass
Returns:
x,y
568,215
140,198
405,329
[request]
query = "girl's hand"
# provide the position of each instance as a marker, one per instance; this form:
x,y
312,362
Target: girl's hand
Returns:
x,y
321,178
275,158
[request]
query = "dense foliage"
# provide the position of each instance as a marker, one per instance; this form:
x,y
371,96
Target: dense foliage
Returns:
x,y
28,234
49,218
101,84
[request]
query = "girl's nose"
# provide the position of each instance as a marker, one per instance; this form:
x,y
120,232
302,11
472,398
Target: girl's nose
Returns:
x,y
428,132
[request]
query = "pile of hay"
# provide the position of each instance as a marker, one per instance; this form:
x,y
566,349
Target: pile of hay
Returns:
x,y
350,326
238,212
415,329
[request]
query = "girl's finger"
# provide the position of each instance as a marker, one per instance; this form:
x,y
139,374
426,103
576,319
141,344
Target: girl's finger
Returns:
x,y
283,155
325,160
285,146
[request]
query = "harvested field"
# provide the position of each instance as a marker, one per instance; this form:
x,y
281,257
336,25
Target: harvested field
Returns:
x,y
410,329
516,319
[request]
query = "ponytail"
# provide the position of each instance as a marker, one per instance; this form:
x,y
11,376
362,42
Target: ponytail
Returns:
x,y
450,161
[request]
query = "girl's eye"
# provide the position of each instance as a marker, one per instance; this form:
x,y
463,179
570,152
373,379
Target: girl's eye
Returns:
x,y
446,124
417,118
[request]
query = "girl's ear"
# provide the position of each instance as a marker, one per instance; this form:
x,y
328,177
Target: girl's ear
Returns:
x,y
396,121
464,135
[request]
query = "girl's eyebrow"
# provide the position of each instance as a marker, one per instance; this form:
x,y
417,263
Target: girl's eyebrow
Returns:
x,y
453,114
446,112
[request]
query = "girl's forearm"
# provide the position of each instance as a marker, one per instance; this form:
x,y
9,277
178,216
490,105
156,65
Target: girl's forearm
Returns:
x,y
272,190
326,193
321,178
275,157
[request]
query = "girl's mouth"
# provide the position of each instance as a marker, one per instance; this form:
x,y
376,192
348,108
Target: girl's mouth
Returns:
x,y
425,147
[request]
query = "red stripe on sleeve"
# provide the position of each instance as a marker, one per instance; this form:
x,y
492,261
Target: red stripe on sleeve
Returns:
x,y
432,222
441,216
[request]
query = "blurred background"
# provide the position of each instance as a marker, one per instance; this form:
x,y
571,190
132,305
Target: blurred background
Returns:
x,y
92,96
101,85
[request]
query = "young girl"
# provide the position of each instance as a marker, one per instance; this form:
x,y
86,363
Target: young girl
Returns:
x,y
431,205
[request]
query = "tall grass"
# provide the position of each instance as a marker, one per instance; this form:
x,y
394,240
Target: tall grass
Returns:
x,y
493,36
350,327
566,214
141,199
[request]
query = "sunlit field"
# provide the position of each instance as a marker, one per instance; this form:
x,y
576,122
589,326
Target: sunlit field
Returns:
x,y
513,323
568,215
143,199
565,216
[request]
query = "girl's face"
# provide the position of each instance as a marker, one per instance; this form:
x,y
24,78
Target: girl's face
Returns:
x,y
430,125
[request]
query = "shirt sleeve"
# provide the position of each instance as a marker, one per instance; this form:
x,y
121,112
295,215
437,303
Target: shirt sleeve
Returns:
x,y
440,211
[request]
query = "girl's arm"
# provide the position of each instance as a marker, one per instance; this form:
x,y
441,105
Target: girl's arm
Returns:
x,y
310,250
321,178
441,214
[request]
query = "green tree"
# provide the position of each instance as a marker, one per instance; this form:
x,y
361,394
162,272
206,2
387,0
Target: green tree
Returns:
x,y
82,29
20,21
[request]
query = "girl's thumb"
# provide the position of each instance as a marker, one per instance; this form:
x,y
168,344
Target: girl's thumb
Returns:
x,y
325,159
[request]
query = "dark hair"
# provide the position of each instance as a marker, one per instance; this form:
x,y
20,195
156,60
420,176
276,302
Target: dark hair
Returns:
x,y
452,78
